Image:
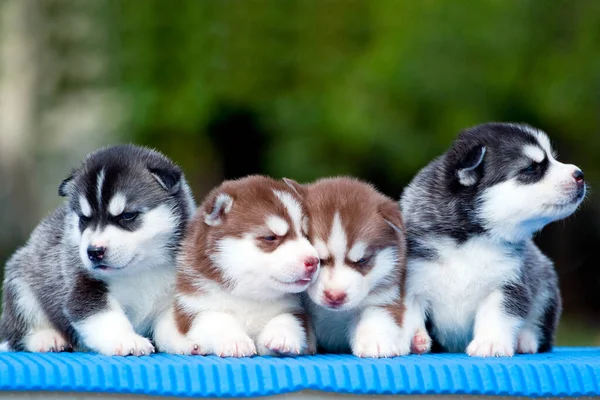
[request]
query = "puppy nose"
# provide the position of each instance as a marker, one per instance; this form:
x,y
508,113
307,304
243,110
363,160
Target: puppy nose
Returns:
x,y
578,175
96,253
311,264
334,297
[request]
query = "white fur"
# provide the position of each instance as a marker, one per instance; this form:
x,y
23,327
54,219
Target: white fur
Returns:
x,y
4,347
534,152
277,225
495,332
99,186
356,286
86,209
253,270
111,333
337,243
454,287
225,321
378,335
357,251
167,337
117,204
282,335
293,208
528,342
514,211
129,252
45,340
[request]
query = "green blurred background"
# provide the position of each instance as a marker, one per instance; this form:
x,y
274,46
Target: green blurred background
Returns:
x,y
303,89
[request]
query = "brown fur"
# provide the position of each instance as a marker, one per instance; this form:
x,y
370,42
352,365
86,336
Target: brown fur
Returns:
x,y
363,211
253,200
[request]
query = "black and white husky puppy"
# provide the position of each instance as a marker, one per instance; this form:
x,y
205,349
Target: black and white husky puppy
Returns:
x,y
98,271
473,271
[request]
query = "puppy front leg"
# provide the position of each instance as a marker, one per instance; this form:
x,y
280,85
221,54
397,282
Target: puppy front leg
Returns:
x,y
496,328
101,323
378,334
169,339
414,325
285,334
220,333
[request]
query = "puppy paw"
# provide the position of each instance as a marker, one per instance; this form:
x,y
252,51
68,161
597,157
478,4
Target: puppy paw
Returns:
x,y
487,347
282,341
46,341
234,345
182,346
373,344
421,342
128,344
527,343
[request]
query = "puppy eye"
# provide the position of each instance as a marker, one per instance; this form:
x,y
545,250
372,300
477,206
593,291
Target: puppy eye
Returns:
x,y
271,238
128,216
324,261
531,168
84,220
363,260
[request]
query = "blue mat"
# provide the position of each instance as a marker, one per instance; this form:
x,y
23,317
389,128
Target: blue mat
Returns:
x,y
564,372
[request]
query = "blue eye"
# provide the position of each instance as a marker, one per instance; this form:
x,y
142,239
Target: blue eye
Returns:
x,y
363,260
270,238
128,216
532,168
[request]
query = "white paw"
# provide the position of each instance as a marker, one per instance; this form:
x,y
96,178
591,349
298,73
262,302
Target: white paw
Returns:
x,y
281,340
46,341
373,344
497,347
421,342
233,345
128,344
181,345
527,343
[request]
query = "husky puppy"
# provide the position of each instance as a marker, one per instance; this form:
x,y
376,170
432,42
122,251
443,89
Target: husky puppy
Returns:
x,y
96,273
357,299
474,272
245,258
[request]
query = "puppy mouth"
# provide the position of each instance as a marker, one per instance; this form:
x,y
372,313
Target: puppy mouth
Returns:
x,y
299,282
104,267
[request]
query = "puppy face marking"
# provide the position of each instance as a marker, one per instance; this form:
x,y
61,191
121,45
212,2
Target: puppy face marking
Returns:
x,y
292,206
277,225
116,206
85,207
534,153
357,252
99,185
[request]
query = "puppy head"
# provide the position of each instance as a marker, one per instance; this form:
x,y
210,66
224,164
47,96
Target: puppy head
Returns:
x,y
509,175
128,208
251,236
358,233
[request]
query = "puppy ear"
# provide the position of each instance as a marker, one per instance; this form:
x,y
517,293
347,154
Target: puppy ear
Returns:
x,y
390,211
468,172
218,209
295,186
168,178
65,186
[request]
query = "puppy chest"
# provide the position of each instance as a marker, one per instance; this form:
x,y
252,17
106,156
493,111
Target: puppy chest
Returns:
x,y
461,278
144,297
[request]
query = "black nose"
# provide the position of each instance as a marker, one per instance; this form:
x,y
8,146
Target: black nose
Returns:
x,y
578,175
96,253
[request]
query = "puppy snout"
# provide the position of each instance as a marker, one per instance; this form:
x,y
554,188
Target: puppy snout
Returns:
x,y
311,264
335,298
96,253
579,177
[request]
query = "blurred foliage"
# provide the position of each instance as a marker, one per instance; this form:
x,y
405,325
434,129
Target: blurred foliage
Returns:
x,y
371,88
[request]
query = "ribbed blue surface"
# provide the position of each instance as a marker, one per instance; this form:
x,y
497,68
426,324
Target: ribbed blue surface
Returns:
x,y
564,372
